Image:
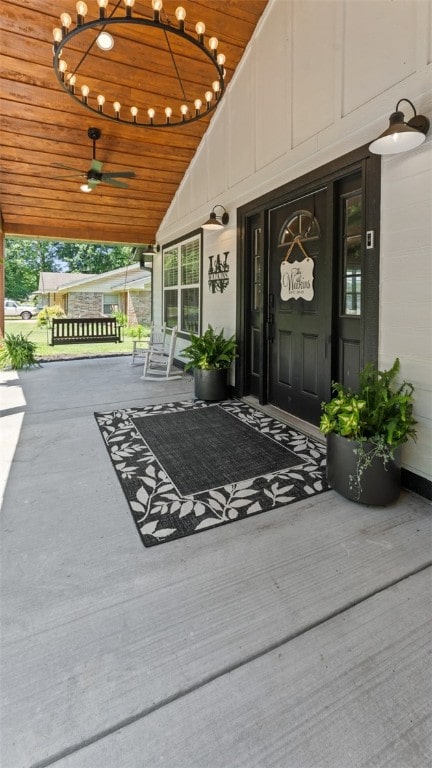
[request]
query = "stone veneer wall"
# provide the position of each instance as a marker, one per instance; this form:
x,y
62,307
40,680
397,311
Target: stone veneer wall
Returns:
x,y
139,308
84,304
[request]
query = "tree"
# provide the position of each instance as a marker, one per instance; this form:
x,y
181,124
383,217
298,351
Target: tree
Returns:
x,y
94,258
25,259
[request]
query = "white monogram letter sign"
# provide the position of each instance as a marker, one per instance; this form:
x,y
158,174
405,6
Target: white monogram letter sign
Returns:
x,y
297,280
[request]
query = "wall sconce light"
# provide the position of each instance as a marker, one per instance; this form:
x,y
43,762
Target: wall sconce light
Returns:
x,y
216,222
401,136
151,250
146,255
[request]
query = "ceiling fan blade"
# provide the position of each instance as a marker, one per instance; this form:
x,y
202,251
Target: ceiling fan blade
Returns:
x,y
114,183
96,165
119,175
71,176
66,167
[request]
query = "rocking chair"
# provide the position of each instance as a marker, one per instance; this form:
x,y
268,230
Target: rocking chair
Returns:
x,y
159,362
141,346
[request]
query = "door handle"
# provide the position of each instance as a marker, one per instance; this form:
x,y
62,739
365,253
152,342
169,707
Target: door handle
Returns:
x,y
270,328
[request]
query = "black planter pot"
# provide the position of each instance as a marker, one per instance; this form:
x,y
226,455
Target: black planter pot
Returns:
x,y
379,484
211,385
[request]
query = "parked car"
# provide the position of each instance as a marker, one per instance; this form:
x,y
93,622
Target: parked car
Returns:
x,y
25,311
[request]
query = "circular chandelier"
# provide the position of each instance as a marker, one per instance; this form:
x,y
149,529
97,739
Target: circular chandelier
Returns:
x,y
185,59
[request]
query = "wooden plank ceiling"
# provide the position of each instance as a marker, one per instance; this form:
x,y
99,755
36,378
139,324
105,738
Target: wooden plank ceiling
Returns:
x,y
42,125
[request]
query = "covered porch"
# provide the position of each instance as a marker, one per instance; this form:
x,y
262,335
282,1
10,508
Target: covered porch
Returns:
x,y
297,638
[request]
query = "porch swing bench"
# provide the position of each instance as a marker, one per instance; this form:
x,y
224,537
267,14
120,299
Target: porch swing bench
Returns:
x,y
87,330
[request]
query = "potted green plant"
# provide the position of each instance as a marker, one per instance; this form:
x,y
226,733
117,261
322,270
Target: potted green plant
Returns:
x,y
210,356
365,430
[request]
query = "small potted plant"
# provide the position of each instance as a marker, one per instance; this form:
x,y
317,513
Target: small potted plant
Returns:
x,y
210,356
364,433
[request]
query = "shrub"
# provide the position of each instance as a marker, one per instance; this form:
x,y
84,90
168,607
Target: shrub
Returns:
x,y
47,313
138,332
121,318
17,352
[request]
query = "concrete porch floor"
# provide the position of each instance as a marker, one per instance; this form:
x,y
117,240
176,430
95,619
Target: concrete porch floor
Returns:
x,y
299,638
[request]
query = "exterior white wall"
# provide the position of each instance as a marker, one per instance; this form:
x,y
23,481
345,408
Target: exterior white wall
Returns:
x,y
406,287
319,79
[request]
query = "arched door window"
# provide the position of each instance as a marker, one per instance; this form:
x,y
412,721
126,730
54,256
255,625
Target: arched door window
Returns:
x,y
302,223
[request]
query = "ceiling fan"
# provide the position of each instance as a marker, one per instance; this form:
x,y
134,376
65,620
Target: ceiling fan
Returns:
x,y
94,175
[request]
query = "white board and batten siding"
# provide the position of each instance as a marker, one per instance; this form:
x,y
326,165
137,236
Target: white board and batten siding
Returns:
x,y
319,79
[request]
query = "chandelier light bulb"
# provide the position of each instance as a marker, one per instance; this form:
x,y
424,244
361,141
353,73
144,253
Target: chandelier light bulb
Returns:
x,y
134,111
66,20
197,105
184,110
180,16
200,29
213,43
62,66
129,5
101,101
71,82
221,59
102,5
208,97
117,108
81,8
151,113
85,90
216,86
157,7
57,35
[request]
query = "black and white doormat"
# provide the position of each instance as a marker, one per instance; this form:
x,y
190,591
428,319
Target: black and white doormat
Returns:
x,y
188,466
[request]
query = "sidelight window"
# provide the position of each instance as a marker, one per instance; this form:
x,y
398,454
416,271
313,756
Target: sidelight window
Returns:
x,y
256,270
352,256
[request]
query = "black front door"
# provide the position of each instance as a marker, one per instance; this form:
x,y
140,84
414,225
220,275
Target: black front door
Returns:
x,y
300,306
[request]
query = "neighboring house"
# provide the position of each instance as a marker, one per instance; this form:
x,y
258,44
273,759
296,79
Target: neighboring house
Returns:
x,y
127,290
287,153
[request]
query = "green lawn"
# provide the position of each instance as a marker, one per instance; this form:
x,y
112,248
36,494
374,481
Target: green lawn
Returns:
x,y
41,337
